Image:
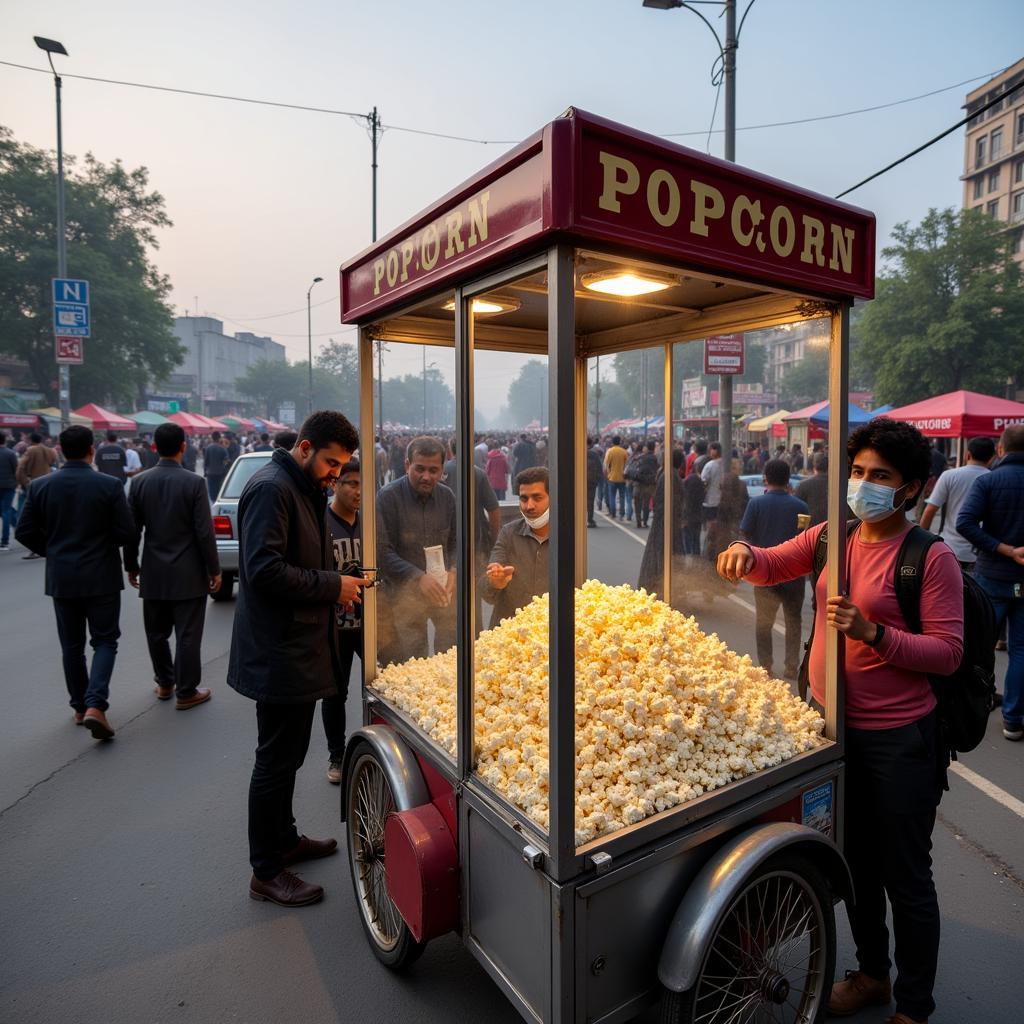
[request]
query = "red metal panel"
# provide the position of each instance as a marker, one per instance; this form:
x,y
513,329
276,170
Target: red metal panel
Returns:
x,y
422,871
442,796
499,210
638,190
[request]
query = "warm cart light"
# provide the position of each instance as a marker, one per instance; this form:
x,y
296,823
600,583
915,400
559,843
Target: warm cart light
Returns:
x,y
626,284
490,305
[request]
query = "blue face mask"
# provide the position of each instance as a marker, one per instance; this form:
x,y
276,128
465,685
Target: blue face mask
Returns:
x,y
870,502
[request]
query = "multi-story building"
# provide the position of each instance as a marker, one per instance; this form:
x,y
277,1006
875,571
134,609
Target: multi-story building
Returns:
x,y
214,361
787,345
994,152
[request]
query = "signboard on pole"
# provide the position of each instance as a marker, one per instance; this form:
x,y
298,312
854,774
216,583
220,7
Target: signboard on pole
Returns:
x,y
70,307
286,414
723,354
68,351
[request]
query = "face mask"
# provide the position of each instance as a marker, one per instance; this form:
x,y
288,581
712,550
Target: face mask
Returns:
x,y
870,502
540,522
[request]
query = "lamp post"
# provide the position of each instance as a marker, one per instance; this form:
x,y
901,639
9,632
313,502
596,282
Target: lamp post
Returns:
x,y
309,339
431,366
50,47
727,55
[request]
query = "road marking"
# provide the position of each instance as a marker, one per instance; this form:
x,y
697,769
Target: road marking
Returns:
x,y
1011,803
628,533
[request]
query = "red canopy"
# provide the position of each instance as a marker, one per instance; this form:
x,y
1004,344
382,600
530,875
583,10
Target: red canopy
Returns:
x,y
194,423
104,419
961,414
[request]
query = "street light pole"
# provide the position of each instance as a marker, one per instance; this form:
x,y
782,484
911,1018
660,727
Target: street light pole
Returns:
x,y
309,339
50,47
727,55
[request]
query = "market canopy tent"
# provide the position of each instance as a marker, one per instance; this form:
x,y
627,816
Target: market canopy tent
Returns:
x,y
194,423
273,425
818,414
104,419
961,414
51,416
765,423
145,418
237,423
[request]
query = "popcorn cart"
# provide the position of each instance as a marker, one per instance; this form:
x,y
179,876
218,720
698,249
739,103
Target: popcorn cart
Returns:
x,y
604,792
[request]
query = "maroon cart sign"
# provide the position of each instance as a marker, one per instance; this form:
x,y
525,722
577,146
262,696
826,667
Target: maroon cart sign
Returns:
x,y
723,354
68,351
590,180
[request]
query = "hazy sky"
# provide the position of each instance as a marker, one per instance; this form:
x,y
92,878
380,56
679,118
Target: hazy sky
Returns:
x,y
264,199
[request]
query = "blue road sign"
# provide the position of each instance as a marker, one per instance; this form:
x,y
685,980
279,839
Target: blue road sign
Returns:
x,y
70,308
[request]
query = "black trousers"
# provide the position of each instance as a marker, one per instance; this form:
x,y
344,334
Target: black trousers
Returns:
x,y
284,731
185,619
591,494
88,687
790,596
894,779
332,709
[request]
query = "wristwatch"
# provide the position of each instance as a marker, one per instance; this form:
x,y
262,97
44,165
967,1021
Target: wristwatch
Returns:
x,y
878,635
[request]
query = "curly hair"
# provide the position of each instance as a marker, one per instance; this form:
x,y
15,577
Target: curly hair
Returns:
x,y
328,427
900,444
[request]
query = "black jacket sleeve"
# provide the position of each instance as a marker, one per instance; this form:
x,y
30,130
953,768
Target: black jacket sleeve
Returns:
x,y
264,549
131,549
31,529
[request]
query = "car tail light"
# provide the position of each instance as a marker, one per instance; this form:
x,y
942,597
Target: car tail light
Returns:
x,y
222,527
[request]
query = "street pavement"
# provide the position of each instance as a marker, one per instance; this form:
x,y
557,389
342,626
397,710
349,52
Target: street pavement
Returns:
x,y
125,870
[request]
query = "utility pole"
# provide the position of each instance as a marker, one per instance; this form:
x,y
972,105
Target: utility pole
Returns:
x,y
375,133
729,73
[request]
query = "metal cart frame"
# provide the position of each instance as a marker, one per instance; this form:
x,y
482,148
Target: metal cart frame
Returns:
x,y
535,910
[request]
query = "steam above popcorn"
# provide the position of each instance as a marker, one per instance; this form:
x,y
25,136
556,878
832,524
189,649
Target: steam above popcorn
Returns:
x,y
664,712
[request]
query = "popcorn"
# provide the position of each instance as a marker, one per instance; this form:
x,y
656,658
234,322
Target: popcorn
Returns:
x,y
664,712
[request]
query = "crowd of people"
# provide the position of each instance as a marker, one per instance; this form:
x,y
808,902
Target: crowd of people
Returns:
x,y
298,623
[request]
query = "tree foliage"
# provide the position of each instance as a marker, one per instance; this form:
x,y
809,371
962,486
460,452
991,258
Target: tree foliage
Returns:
x,y
270,383
949,312
112,219
528,394
807,381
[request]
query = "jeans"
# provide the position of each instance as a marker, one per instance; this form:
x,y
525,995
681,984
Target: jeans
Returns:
x,y
642,495
894,780
1009,610
284,731
185,619
213,485
767,600
602,493
617,492
332,709
88,688
6,514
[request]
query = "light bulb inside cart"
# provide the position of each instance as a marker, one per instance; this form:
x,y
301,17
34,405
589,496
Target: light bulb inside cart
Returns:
x,y
490,305
625,283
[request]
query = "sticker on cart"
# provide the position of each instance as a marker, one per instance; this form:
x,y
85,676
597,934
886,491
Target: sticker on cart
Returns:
x,y
817,808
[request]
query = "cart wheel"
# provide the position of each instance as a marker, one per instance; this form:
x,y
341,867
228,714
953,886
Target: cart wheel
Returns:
x,y
772,957
370,800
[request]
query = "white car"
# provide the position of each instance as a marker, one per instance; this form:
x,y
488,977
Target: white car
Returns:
x,y
755,482
225,518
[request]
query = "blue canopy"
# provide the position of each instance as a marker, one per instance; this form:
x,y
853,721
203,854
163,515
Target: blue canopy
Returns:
x,y
882,410
856,416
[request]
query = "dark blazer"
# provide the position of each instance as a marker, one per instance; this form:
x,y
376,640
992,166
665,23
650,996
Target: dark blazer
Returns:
x,y
172,505
283,643
78,519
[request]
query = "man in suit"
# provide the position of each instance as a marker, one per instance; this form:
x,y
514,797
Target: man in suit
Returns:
x,y
284,645
179,566
77,520
215,464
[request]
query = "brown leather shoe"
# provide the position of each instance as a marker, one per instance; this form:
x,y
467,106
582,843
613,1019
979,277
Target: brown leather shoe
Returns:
x,y
201,696
163,692
856,991
310,849
96,722
286,890
902,1018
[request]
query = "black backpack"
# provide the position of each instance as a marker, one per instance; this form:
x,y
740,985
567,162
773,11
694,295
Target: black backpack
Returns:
x,y
967,695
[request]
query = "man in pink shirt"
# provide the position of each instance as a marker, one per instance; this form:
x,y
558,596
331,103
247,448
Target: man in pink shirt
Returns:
x,y
895,765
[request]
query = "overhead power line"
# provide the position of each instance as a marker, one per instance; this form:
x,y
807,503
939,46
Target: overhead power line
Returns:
x,y
465,138
931,142
277,316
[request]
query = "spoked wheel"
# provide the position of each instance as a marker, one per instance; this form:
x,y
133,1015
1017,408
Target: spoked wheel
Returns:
x,y
370,801
772,957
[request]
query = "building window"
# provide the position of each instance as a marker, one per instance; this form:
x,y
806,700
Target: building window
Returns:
x,y
979,152
979,186
1018,242
1017,207
993,180
1018,172
1020,128
996,146
992,209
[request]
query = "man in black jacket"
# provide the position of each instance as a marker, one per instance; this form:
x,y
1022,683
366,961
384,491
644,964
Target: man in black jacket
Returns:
x,y
179,567
283,647
215,464
78,519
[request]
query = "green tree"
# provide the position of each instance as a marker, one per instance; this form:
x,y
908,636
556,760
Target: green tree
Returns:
x,y
112,220
949,311
271,382
338,363
807,381
528,394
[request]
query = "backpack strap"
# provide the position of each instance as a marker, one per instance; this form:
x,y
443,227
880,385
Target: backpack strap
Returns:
x,y
909,574
821,551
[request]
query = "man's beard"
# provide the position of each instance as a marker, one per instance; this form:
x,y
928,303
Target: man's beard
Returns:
x,y
321,483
